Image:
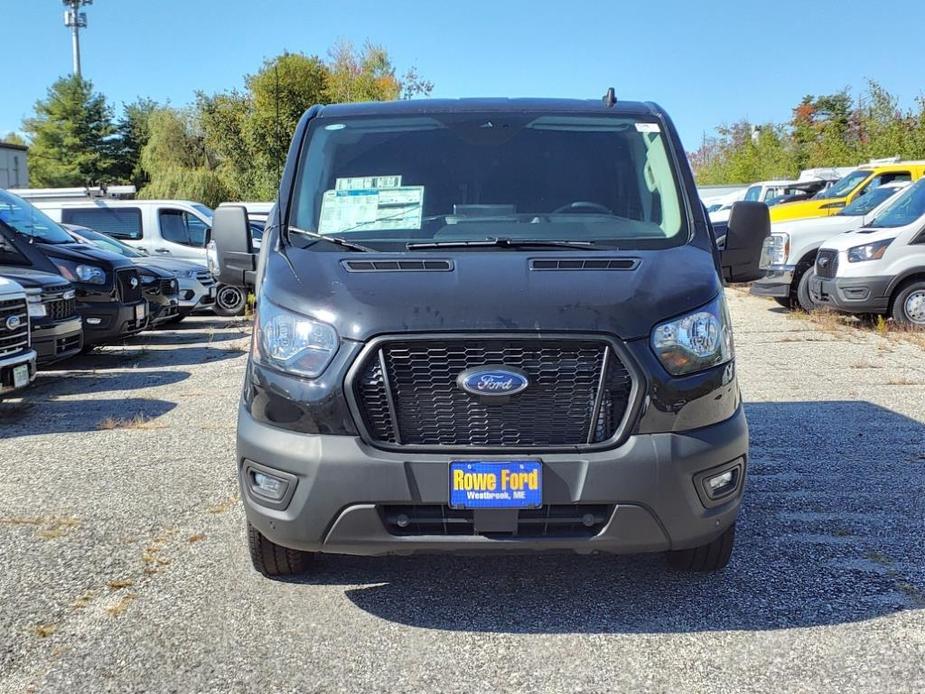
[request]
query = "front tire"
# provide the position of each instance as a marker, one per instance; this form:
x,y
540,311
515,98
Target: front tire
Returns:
x,y
273,560
909,305
803,299
712,556
230,301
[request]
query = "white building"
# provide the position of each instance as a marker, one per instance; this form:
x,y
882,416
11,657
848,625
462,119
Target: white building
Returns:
x,y
14,170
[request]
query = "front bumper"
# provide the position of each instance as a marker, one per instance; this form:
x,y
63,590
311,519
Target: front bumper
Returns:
x,y
852,294
56,341
7,364
110,321
340,485
777,282
194,296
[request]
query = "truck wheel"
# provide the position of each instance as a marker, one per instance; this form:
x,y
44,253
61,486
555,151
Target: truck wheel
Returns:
x,y
229,300
785,302
803,298
710,557
909,305
272,560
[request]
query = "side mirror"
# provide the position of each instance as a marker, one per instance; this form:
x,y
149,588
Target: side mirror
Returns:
x,y
232,257
740,248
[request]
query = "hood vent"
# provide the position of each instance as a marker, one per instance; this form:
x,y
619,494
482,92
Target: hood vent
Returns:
x,y
584,264
422,265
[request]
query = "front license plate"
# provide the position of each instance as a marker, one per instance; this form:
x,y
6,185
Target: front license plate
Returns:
x,y
21,376
496,484
140,311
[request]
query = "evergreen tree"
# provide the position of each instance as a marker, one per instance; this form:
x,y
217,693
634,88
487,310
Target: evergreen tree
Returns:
x,y
72,136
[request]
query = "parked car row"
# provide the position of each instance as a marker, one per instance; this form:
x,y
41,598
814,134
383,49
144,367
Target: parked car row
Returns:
x,y
860,248
80,288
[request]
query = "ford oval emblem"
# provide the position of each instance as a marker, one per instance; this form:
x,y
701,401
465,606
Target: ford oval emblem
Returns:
x,y
13,322
493,381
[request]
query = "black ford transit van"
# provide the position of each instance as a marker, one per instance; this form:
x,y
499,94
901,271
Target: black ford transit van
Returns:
x,y
490,325
108,288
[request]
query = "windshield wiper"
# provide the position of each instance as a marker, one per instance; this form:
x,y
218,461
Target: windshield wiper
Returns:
x,y
500,243
337,240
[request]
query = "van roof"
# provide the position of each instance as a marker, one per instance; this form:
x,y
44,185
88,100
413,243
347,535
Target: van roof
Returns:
x,y
420,106
107,202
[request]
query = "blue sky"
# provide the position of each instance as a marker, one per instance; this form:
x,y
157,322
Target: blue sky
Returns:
x,y
708,63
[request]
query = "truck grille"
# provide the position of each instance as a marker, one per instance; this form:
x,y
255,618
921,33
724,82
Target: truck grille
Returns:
x,y
56,305
127,292
826,263
407,393
553,520
17,339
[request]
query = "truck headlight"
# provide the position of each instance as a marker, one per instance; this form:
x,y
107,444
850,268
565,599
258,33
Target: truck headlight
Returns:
x,y
78,272
869,251
696,341
775,251
36,308
293,343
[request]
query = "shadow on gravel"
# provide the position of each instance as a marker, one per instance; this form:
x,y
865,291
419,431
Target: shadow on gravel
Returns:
x,y
185,337
141,357
830,533
80,382
57,416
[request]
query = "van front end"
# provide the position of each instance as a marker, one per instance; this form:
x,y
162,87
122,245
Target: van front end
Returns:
x,y
362,461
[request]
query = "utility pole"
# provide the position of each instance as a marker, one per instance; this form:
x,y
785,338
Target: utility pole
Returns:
x,y
75,20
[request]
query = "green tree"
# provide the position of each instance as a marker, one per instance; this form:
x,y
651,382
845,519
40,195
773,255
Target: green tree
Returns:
x,y
178,161
72,136
132,135
13,139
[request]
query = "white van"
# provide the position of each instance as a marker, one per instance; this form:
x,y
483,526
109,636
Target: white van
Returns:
x,y
161,228
880,268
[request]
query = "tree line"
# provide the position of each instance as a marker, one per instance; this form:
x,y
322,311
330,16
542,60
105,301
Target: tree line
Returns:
x,y
224,146
824,131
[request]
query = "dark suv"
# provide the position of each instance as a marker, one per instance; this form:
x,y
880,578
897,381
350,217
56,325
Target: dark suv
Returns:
x,y
490,325
109,294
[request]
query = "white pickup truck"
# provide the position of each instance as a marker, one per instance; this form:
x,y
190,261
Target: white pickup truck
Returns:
x,y
17,358
790,251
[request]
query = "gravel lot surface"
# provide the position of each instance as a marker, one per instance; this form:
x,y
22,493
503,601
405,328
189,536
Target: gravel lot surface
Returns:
x,y
124,566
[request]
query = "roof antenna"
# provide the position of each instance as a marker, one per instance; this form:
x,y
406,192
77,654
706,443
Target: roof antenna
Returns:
x,y
610,98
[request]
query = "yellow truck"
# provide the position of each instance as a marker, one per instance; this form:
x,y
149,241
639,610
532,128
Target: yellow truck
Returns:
x,y
846,189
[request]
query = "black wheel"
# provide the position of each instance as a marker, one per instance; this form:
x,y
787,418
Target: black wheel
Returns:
x,y
803,299
710,557
909,305
785,302
230,301
272,560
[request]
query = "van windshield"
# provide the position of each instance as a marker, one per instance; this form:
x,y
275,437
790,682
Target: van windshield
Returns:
x,y
390,181
906,209
20,216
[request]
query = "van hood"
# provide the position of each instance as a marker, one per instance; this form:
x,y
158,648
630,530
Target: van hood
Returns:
x,y
804,209
81,252
491,291
171,264
835,224
861,237
30,278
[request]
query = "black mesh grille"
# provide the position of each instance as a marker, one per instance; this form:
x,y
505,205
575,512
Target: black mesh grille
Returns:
x,y
827,263
552,520
430,409
59,309
168,287
128,293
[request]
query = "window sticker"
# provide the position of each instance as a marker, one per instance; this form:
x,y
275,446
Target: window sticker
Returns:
x,y
367,182
373,209
648,128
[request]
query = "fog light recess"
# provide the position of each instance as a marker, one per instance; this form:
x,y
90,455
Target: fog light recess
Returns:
x,y
268,487
717,485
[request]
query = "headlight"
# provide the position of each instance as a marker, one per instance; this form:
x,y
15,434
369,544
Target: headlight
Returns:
x,y
189,274
36,308
88,274
212,258
293,343
148,279
869,251
775,250
696,341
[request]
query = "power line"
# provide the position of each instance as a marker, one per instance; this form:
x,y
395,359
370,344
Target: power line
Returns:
x,y
75,20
